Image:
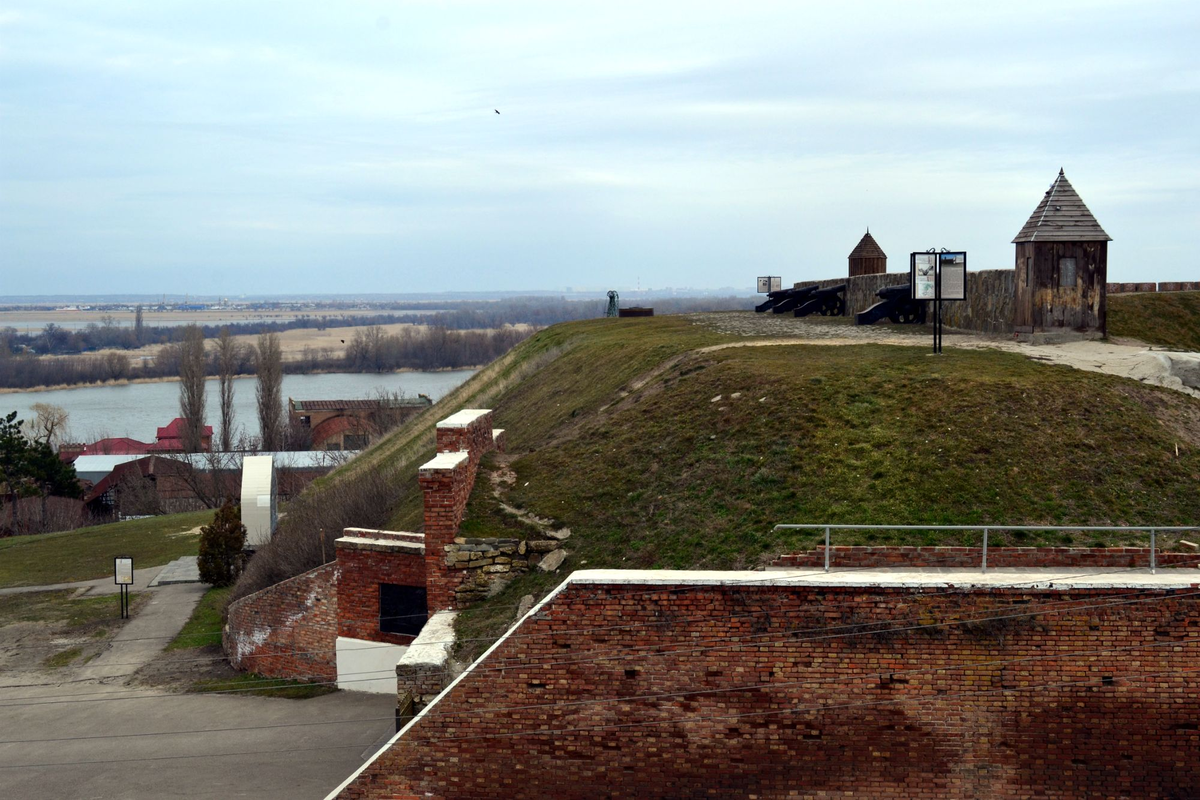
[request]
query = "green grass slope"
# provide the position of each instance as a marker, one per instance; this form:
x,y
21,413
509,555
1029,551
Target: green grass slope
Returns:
x,y
630,433
1171,319
88,553
614,427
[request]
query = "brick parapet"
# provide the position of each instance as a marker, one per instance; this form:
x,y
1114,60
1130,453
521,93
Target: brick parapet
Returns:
x,y
288,630
1162,286
363,566
818,691
425,668
970,557
446,483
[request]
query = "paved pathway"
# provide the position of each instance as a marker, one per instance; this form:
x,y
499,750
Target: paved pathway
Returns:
x,y
87,732
182,570
92,588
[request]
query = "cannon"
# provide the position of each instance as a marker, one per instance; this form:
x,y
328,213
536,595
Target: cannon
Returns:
x,y
897,305
829,302
784,300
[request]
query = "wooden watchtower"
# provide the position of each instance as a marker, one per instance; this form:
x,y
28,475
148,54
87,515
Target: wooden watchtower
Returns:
x,y
1061,267
867,258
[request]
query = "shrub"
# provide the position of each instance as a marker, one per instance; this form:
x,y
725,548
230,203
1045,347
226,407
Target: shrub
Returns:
x,y
221,546
362,500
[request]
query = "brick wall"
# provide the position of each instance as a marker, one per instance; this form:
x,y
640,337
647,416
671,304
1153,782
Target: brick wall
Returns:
x,y
364,564
288,630
971,557
1080,700
446,483
1165,286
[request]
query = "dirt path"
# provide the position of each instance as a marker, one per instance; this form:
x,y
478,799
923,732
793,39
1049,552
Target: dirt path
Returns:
x,y
1127,359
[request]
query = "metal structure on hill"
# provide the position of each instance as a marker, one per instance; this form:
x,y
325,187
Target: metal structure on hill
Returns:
x,y
614,304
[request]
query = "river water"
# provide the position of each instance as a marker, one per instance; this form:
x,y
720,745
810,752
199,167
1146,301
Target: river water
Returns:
x,y
138,409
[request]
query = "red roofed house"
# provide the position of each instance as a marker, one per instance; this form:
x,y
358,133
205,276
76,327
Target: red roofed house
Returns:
x,y
168,440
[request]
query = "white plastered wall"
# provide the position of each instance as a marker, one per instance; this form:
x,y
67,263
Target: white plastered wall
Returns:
x,y
364,666
258,499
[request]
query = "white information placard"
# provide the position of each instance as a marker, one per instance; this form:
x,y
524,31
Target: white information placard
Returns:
x,y
123,571
954,275
769,283
924,281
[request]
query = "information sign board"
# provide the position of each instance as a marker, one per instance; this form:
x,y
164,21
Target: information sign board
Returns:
x,y
953,269
123,571
924,276
769,283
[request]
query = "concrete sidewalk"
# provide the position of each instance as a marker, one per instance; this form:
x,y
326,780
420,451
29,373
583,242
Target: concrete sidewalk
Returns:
x,y
95,587
145,636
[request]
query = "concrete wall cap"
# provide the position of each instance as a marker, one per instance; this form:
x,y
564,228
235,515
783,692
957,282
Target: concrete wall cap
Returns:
x,y
445,461
464,418
432,646
376,533
382,545
1015,577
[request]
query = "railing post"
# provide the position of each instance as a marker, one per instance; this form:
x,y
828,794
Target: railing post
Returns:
x,y
827,548
1153,552
985,534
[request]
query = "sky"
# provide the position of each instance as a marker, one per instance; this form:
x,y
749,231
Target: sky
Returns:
x,y
254,148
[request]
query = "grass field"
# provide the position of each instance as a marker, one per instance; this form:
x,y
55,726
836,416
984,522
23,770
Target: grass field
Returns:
x,y
88,553
250,683
1171,319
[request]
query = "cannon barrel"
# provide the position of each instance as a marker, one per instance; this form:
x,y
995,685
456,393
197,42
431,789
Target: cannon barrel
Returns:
x,y
899,290
829,302
793,297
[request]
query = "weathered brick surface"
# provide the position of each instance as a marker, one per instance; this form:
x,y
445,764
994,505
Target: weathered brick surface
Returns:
x,y
288,630
971,557
1087,698
362,568
446,492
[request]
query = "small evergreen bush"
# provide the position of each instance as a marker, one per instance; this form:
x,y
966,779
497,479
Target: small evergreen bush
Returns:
x,y
221,546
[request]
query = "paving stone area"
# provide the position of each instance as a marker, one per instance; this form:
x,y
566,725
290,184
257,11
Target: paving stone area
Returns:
x,y
181,570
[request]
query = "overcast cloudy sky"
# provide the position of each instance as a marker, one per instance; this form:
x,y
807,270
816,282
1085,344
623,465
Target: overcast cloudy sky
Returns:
x,y
234,147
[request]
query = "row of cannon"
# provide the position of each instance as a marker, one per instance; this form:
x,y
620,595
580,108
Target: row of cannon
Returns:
x,y
895,304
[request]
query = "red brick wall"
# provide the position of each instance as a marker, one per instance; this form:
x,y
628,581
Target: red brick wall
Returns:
x,y
1006,708
1164,286
362,568
446,493
288,630
970,557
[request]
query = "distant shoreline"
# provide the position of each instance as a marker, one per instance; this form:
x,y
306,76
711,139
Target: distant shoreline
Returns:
x,y
175,379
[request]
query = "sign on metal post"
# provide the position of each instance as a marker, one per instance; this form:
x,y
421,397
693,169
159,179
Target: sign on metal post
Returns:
x,y
123,578
924,276
952,272
938,277
769,283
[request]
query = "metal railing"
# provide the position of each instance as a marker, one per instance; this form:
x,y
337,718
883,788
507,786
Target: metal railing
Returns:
x,y
988,528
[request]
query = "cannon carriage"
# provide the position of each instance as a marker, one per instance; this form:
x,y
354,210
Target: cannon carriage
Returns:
x,y
896,304
829,302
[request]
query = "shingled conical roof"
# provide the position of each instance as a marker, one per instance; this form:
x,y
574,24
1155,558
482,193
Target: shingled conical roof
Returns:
x,y
1062,217
868,248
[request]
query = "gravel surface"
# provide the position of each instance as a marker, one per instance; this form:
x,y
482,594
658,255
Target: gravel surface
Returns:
x,y
750,323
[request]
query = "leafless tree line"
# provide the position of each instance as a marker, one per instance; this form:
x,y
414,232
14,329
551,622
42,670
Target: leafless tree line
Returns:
x,y
418,348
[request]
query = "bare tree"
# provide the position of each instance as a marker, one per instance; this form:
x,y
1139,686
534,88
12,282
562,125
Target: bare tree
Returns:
x,y
226,367
49,424
269,366
192,369
139,325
